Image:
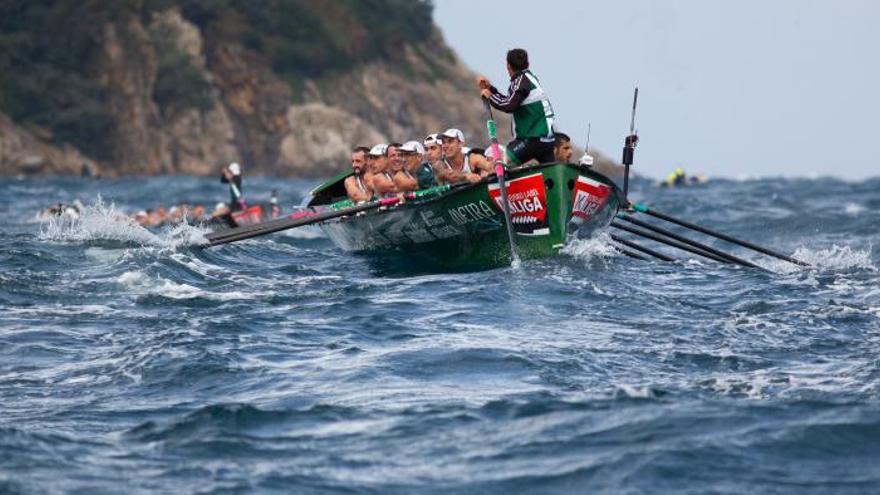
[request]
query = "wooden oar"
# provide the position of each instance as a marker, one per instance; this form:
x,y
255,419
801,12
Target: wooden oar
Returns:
x,y
301,219
502,184
641,248
627,252
667,241
669,218
242,233
709,249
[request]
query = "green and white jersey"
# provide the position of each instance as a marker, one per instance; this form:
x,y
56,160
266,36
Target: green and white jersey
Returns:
x,y
532,112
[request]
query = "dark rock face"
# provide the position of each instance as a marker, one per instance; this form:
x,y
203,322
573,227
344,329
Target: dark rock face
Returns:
x,y
186,92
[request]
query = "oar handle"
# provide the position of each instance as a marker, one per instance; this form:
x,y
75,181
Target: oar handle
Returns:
x,y
493,140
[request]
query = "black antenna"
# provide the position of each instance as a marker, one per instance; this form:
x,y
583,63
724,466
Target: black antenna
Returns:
x,y
629,147
587,146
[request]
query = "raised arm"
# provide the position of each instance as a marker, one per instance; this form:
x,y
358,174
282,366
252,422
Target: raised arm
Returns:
x,y
519,90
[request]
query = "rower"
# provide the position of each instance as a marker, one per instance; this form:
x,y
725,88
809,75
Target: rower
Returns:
x,y
396,162
456,165
490,154
275,208
433,148
412,154
232,176
355,184
197,215
381,182
532,113
562,150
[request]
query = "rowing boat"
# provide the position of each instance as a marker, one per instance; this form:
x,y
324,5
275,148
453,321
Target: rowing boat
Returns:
x,y
464,228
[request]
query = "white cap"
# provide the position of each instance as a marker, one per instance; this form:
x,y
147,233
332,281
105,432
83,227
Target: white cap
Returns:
x,y
432,139
490,152
220,206
454,133
379,150
234,168
413,147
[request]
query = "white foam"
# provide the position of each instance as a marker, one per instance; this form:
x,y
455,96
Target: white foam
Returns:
x,y
837,257
141,283
105,222
307,232
636,391
597,246
854,209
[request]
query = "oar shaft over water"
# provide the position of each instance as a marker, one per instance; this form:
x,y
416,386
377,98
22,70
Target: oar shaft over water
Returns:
x,y
627,252
669,218
668,242
639,247
709,249
307,218
502,184
240,234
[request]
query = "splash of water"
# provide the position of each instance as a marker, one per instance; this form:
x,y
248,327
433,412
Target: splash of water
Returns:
x,y
597,246
102,222
837,258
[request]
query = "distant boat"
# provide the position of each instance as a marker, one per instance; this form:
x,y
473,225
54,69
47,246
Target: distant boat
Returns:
x,y
678,178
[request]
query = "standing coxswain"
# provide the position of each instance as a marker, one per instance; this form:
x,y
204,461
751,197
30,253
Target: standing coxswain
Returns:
x,y
532,112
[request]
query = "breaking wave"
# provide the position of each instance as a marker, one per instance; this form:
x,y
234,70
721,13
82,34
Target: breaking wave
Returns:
x,y
599,246
102,222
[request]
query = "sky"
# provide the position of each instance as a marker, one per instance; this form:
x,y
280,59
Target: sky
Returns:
x,y
746,88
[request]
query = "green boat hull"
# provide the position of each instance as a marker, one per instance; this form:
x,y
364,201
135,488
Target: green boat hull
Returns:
x,y
465,229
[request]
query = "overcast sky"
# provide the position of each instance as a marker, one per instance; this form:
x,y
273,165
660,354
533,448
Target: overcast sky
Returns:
x,y
735,88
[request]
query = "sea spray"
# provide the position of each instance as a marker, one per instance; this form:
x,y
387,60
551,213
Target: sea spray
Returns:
x,y
598,246
103,222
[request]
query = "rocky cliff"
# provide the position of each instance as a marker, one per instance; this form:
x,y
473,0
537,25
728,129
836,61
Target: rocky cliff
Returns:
x,y
284,86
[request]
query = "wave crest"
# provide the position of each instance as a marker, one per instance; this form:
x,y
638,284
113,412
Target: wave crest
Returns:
x,y
101,222
837,258
597,246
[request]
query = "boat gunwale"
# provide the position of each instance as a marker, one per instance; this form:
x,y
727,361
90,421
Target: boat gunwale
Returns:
x,y
464,188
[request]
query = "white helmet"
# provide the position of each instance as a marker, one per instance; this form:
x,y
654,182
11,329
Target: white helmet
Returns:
x,y
234,168
490,153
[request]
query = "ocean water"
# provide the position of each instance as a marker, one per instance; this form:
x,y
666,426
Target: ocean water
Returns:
x,y
136,361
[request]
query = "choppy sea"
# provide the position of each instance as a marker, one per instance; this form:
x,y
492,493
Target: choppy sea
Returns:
x,y
135,361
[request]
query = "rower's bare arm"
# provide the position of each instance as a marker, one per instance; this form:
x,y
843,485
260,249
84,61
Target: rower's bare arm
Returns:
x,y
383,185
440,175
473,178
404,183
354,192
482,165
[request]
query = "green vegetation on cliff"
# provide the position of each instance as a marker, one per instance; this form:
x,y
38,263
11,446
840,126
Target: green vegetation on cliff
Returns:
x,y
50,52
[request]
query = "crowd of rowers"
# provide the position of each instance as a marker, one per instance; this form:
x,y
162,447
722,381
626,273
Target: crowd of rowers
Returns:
x,y
442,158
